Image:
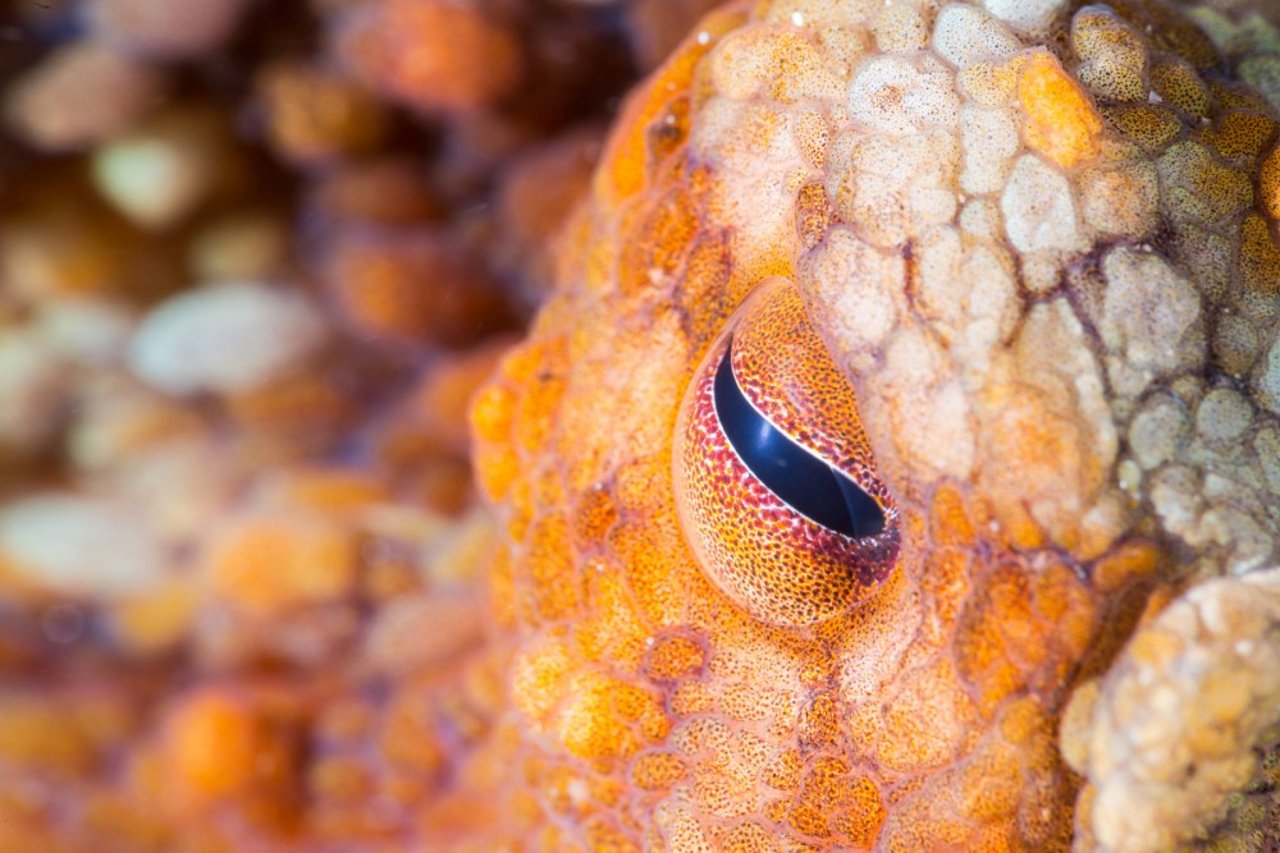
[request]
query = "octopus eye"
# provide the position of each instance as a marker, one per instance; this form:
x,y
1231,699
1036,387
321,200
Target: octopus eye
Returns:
x,y
802,480
775,484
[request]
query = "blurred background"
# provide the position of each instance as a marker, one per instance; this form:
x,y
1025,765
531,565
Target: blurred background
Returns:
x,y
255,257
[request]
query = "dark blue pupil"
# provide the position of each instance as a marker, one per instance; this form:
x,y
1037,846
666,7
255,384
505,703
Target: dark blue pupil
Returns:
x,y
804,482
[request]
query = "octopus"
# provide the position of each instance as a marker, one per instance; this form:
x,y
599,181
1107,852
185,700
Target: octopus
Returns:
x,y
893,466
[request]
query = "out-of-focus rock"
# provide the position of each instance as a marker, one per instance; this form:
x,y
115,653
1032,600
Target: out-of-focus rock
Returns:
x,y
218,745
443,484
247,245
336,492
225,337
420,631
431,55
181,483
315,114
464,555
162,171
300,414
119,422
385,191
172,29
416,286
59,239
477,146
398,539
79,95
265,564
74,545
425,438
42,733
154,621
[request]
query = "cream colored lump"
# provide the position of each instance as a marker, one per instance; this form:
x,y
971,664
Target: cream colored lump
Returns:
x,y
1030,301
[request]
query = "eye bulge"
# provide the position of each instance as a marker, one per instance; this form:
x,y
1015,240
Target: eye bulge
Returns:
x,y
775,482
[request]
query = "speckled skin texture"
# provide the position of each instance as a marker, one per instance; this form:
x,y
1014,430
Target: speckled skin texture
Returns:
x,y
1039,241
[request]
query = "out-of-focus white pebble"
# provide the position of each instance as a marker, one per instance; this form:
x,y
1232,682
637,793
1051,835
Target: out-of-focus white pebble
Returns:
x,y
181,485
228,337
161,172
87,330
79,546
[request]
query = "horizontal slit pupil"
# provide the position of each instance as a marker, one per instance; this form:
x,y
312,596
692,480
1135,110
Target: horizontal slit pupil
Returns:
x,y
865,513
808,485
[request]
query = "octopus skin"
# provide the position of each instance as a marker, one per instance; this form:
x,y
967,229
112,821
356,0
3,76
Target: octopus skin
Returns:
x,y
1038,241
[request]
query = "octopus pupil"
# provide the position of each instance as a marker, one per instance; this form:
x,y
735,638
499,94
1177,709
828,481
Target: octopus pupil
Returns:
x,y
811,487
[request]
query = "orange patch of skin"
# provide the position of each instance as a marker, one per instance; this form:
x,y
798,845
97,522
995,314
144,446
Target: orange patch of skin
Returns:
x,y
1062,123
684,711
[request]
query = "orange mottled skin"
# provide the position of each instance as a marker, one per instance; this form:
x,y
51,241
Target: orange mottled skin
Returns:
x,y
649,710
1042,256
